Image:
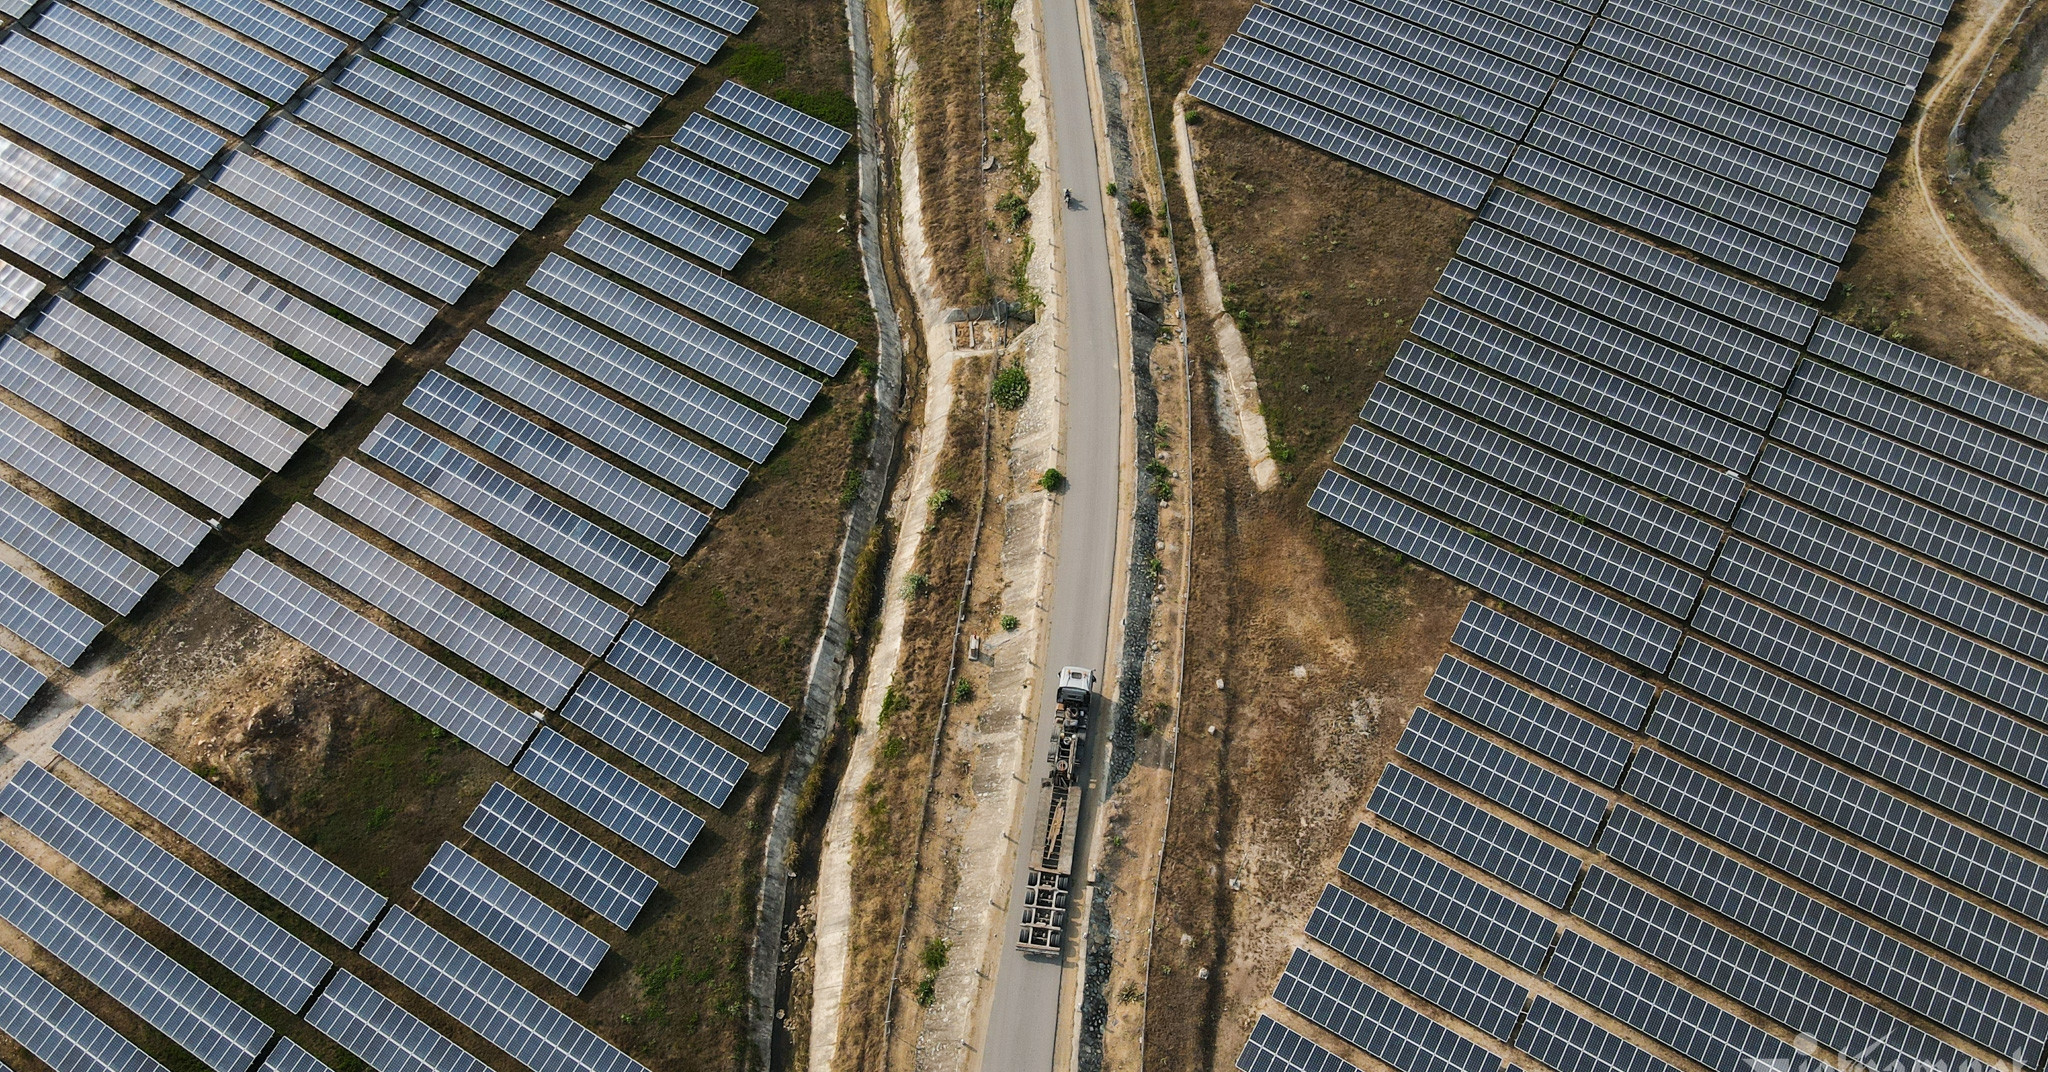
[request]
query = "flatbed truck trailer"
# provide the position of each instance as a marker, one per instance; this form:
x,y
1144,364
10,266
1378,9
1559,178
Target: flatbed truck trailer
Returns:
x,y
1048,883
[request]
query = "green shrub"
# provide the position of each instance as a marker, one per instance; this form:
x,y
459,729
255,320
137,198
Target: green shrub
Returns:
x,y
1008,622
755,65
916,585
1012,387
963,691
1052,480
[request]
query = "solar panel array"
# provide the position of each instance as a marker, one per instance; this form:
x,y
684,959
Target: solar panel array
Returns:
x,y
514,919
565,857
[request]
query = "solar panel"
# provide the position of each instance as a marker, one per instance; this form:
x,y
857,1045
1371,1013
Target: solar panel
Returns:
x,y
1474,835
1534,723
396,668
1342,137
1922,425
518,510
353,232
59,1030
400,198
402,147
750,156
218,344
732,16
85,145
300,262
815,138
540,1036
1497,35
259,21
725,421
502,93
382,1034
189,903
525,154
289,320
557,70
675,336
598,419
682,755
354,19
1859,36
17,289
560,464
221,53
1565,1041
592,40
288,1056
1427,47
170,78
505,574
221,826
1499,775
1422,965
1550,596
19,683
70,552
677,224
517,921
616,800
691,40
700,184
180,391
1374,1022
570,861
44,244
63,193
1439,892
1562,669
95,487
448,619
1931,378
1273,1047
157,989
699,685
1765,56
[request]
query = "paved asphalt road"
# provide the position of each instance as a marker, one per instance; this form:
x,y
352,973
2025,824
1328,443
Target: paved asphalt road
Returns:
x,y
1024,1016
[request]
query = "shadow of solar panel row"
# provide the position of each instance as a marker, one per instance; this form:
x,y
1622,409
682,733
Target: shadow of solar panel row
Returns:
x,y
1889,893
400,198
515,920
706,186
160,73
1915,422
550,67
616,800
517,509
815,138
53,542
313,47
1475,835
676,337
567,859
381,1033
700,686
59,1030
221,53
599,419
782,172
1273,1047
378,244
693,762
1550,372
485,1000
288,319
1542,475
1865,506
1627,632
222,827
1665,1011
1374,1022
1979,610
1895,757
1376,108
523,153
1501,776
190,904
1534,723
95,487
1975,668
562,465
396,668
1554,665
1418,963
185,394
661,388
495,569
101,153
594,41
490,643
720,299
303,264
1870,957
1449,897
1931,378
502,93
1332,133
431,161
102,98
1792,996
1573,434
158,990
1521,523
67,195
677,224
1817,658
42,243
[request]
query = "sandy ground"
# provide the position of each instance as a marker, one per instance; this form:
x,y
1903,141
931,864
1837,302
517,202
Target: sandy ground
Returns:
x,y
2017,170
